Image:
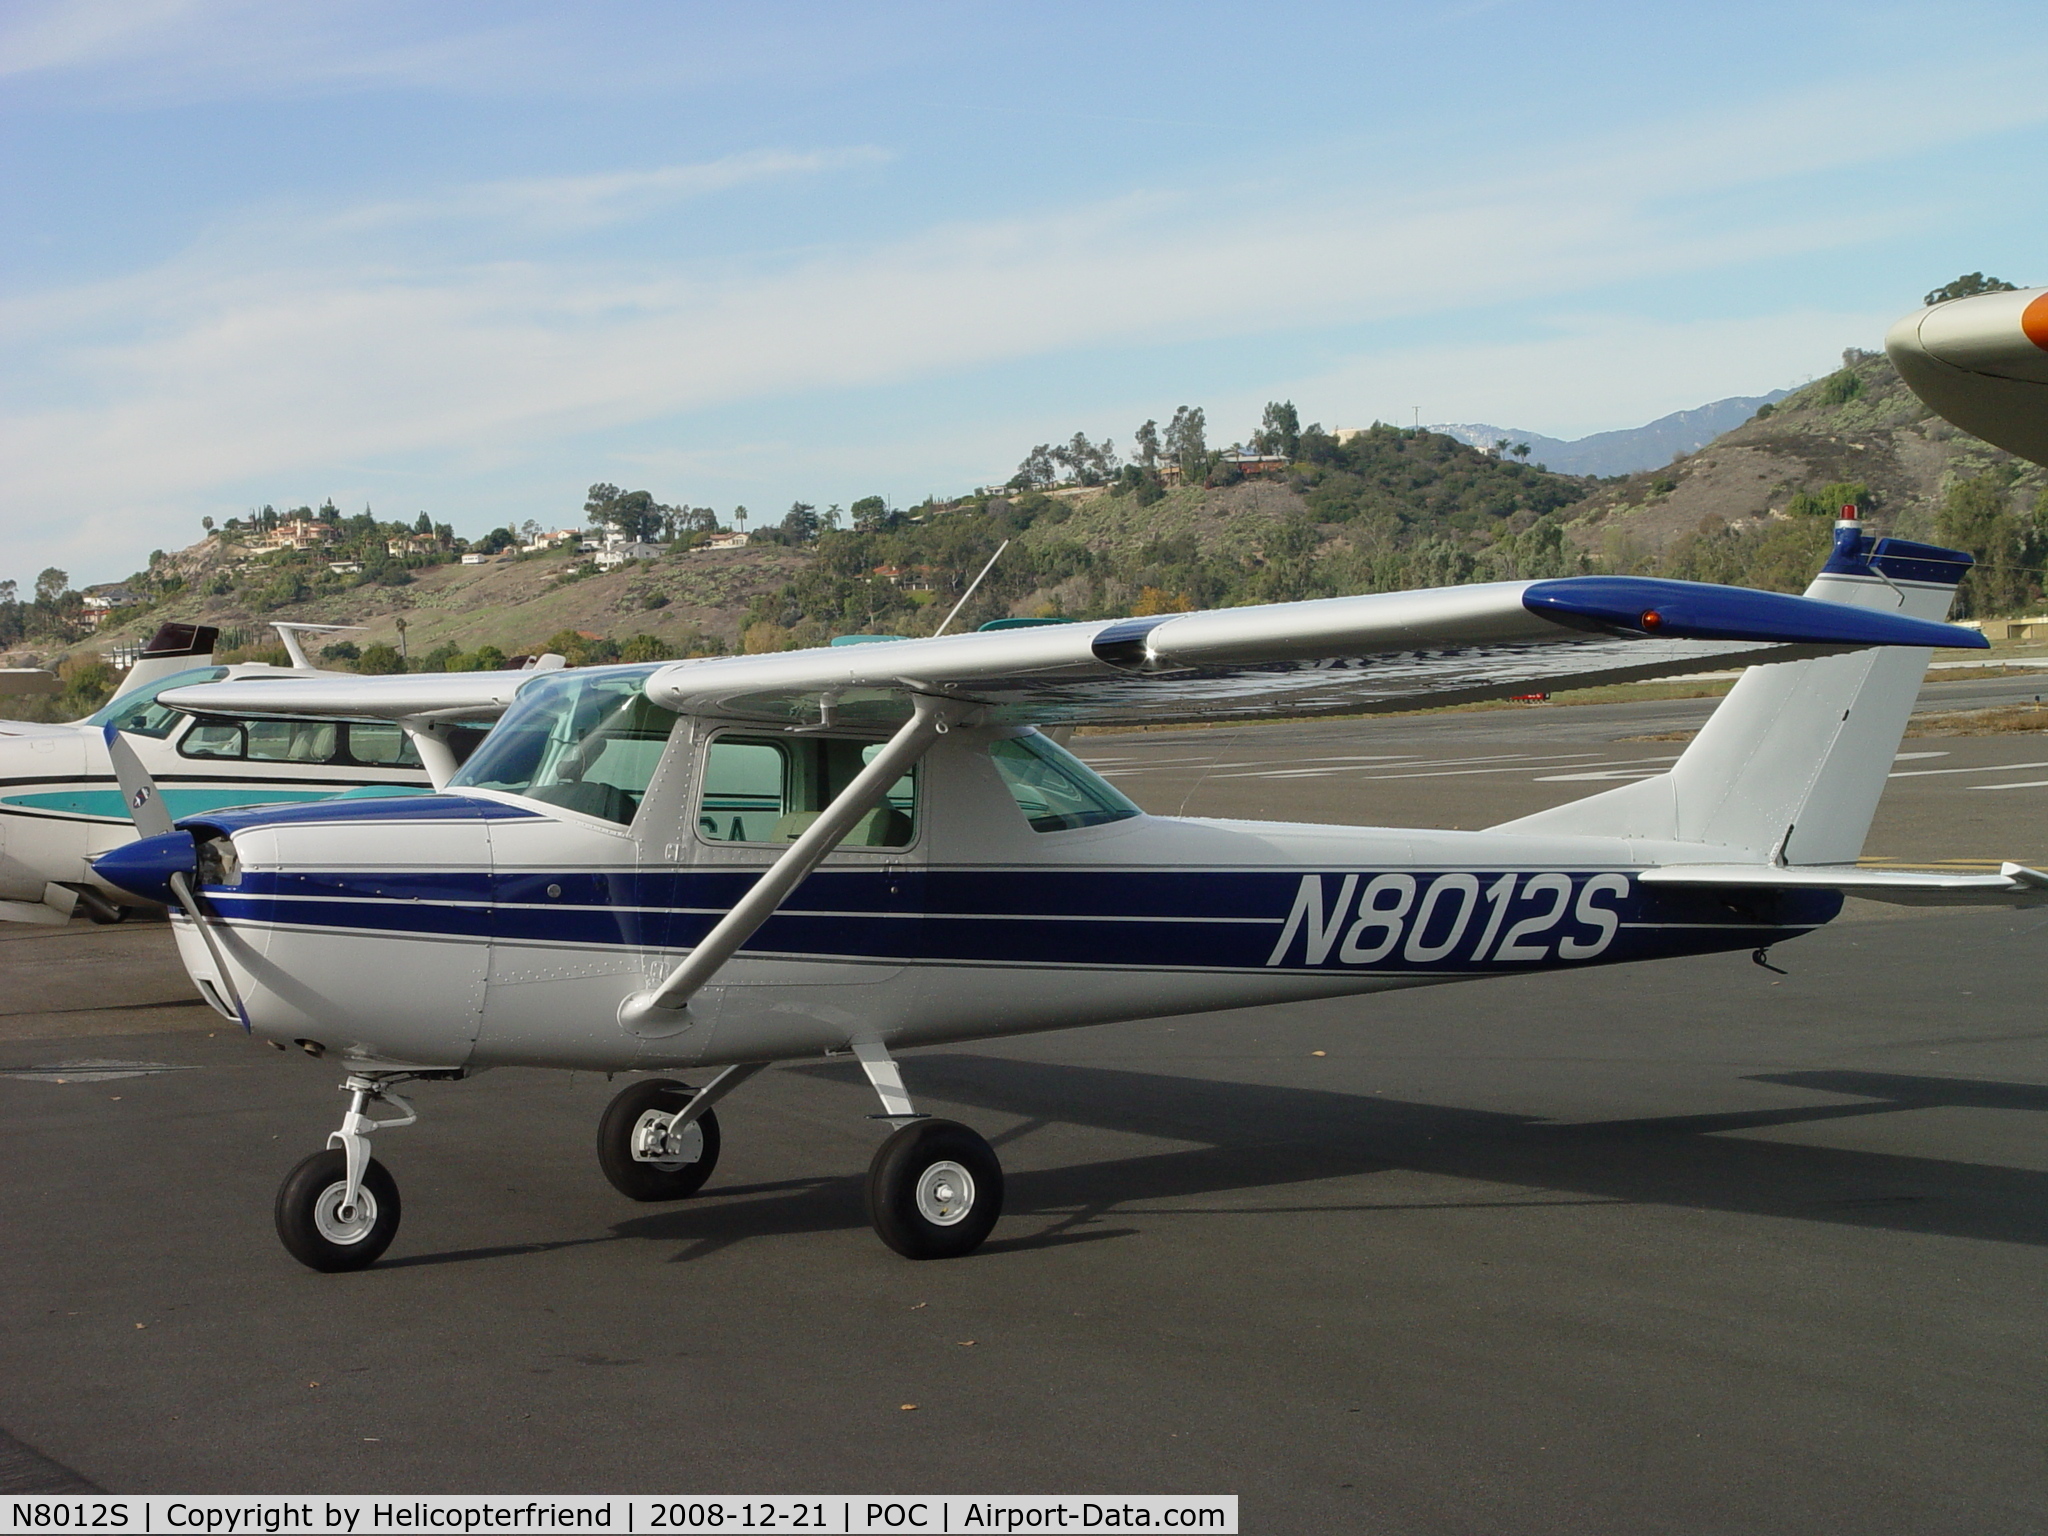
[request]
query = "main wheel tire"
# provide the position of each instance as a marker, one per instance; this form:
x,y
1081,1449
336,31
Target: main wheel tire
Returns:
x,y
310,1222
935,1190
668,1179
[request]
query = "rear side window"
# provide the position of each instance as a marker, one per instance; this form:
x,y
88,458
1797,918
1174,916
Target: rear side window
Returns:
x,y
1054,789
768,789
334,743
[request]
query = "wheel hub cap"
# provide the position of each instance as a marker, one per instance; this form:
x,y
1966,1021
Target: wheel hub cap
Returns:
x,y
945,1194
339,1228
652,1143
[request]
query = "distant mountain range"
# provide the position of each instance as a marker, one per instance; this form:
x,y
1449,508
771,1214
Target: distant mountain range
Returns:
x,y
1624,452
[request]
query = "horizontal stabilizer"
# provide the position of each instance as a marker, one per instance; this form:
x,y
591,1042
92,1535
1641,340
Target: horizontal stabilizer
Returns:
x,y
2014,885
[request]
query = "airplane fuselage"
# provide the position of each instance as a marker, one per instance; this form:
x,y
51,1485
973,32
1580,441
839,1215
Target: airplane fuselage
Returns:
x,y
475,928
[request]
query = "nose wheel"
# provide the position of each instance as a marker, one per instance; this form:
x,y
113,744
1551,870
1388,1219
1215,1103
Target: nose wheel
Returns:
x,y
322,1227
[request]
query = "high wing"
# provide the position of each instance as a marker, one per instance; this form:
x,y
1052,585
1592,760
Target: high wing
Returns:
x,y
418,696
1342,655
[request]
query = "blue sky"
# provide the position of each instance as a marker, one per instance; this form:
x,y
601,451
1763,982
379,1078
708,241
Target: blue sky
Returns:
x,y
470,258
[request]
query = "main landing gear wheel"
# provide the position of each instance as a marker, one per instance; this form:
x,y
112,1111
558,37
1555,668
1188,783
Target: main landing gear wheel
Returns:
x,y
935,1190
644,1163
319,1230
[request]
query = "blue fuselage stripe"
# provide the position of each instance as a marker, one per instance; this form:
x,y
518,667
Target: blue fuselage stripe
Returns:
x,y
1229,919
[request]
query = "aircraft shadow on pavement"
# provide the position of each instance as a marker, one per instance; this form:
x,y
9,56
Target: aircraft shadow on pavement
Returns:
x,y
1259,1138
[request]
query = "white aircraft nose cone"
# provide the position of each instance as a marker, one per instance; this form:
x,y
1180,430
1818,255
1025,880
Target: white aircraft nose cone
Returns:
x,y
1982,363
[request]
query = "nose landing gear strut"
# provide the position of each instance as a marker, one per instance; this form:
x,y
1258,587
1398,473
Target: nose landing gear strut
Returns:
x,y
338,1210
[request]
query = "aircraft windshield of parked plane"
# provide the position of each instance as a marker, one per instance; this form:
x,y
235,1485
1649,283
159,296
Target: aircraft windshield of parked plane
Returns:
x,y
723,863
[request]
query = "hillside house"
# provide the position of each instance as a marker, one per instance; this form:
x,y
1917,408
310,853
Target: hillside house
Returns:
x,y
298,533
102,603
1251,464
612,556
729,540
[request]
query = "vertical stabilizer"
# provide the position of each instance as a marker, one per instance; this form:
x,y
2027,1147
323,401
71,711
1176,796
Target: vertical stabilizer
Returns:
x,y
173,648
1790,766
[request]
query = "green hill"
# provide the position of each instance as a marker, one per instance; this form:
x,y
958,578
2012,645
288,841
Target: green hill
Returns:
x,y
1384,509
1755,505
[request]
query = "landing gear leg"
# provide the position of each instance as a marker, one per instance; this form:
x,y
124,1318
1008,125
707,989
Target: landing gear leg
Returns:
x,y
658,1139
338,1210
935,1187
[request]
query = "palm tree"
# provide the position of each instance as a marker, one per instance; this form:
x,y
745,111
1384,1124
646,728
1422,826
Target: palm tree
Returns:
x,y
1522,452
1500,447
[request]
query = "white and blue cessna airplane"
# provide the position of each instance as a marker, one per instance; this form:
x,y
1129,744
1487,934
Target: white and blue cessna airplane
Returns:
x,y
723,863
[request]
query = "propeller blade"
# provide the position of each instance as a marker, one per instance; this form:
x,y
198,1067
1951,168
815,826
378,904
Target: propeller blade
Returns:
x,y
146,810
138,789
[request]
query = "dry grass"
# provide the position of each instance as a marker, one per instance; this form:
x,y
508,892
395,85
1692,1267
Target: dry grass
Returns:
x,y
2006,720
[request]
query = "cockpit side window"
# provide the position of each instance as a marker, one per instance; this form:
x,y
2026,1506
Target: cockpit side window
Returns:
x,y
768,789
584,741
1054,789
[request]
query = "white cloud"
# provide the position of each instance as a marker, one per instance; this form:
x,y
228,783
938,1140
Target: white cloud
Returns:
x,y
251,360
564,203
1591,373
74,34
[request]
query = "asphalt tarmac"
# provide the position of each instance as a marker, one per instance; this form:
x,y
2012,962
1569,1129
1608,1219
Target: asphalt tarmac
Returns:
x,y
1685,1247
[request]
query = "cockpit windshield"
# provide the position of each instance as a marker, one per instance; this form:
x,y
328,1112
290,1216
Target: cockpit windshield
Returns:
x,y
139,714
584,741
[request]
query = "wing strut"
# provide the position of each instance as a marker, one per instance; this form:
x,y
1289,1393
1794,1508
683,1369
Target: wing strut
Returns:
x,y
665,1009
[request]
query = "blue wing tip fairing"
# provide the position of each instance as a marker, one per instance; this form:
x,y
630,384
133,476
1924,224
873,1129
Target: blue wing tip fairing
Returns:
x,y
1692,610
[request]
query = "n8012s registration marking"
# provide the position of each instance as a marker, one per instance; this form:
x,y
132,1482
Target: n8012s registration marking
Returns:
x,y
1451,920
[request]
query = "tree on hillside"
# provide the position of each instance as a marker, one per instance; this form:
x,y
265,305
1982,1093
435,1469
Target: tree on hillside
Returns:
x,y
50,586
800,524
634,516
1187,443
1037,469
1089,463
1966,285
1977,516
1521,451
1147,439
1279,430
871,514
